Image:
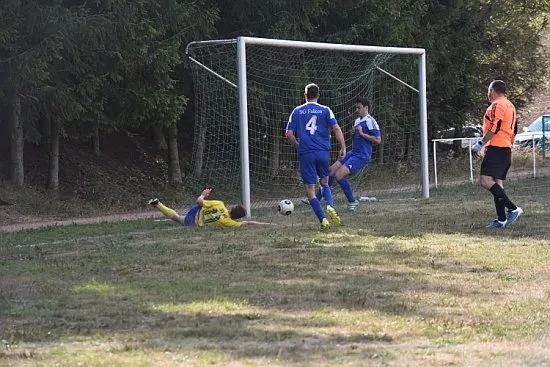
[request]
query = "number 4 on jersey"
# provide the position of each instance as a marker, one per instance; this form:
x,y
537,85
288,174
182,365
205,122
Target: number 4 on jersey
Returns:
x,y
311,125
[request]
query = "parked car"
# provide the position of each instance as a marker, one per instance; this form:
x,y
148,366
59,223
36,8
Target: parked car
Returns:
x,y
534,132
468,131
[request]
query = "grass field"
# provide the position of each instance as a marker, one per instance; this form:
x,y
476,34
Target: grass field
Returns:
x,y
404,282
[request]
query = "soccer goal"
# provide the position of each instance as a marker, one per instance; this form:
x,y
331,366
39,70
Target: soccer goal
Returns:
x,y
246,88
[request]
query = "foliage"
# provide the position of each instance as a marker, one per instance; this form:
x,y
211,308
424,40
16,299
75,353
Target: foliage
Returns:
x,y
118,63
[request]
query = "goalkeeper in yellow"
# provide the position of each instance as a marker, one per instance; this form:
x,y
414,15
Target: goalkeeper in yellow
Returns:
x,y
207,213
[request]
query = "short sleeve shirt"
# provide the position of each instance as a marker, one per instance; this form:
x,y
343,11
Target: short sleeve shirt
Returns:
x,y
312,122
500,119
214,213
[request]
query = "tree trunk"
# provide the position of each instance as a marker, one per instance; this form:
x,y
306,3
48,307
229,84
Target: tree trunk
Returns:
x,y
46,129
174,161
95,139
54,157
160,138
17,142
199,156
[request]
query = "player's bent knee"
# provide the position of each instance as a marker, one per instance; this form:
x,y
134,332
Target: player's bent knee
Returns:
x,y
341,173
486,181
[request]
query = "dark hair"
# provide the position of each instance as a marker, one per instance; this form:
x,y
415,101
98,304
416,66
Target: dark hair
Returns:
x,y
312,91
498,86
364,101
238,211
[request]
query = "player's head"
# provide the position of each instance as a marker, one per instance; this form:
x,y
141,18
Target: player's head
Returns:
x,y
497,88
311,92
362,106
236,212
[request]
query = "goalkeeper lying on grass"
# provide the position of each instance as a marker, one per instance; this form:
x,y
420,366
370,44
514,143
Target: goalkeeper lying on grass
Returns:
x,y
207,213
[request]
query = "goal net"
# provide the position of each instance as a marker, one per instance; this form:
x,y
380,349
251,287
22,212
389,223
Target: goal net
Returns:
x,y
272,84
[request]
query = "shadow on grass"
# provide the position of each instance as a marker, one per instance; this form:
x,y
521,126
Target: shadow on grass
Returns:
x,y
257,291
114,287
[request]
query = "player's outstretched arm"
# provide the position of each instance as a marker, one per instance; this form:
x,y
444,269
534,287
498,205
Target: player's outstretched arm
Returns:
x,y
255,223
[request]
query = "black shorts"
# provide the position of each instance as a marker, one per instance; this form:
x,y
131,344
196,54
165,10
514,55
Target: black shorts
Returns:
x,y
496,162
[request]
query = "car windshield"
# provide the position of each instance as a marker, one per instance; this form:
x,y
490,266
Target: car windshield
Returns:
x,y
537,124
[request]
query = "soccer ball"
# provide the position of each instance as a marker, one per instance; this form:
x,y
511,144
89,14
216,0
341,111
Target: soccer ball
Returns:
x,y
285,207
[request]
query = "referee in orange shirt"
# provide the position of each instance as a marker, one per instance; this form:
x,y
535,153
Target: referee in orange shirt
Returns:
x,y
499,133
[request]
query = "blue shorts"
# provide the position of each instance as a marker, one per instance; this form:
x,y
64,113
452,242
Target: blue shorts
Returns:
x,y
313,166
191,216
354,162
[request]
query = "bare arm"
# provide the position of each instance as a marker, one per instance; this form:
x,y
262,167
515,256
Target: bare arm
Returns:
x,y
488,136
340,138
373,139
205,193
291,138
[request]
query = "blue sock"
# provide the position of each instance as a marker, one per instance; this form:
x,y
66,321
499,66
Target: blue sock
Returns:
x,y
319,193
327,194
346,187
316,205
330,180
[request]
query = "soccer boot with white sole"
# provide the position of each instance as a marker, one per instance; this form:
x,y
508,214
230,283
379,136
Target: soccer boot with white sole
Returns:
x,y
333,215
352,206
513,215
496,224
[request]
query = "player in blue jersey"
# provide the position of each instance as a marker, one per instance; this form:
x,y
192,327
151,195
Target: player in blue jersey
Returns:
x,y
312,123
365,133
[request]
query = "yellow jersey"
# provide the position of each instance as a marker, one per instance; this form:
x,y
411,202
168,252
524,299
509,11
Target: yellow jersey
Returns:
x,y
214,213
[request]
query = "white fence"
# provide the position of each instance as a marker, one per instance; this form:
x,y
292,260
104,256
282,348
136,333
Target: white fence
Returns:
x,y
467,142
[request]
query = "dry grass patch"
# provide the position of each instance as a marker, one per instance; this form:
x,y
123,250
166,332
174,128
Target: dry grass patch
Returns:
x,y
404,282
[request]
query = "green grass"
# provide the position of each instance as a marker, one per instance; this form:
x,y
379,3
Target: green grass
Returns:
x,y
405,282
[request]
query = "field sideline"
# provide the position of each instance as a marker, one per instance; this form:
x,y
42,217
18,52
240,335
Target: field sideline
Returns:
x,y
404,282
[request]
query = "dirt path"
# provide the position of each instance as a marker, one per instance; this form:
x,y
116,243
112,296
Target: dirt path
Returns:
x,y
108,218
27,222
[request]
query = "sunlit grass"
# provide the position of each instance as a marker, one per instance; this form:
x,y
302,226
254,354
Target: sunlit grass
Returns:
x,y
216,306
404,282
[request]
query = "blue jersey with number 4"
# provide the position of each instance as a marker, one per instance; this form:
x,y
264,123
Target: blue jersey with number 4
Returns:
x,y
311,121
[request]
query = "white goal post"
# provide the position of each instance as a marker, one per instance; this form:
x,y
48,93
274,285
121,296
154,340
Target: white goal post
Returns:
x,y
238,81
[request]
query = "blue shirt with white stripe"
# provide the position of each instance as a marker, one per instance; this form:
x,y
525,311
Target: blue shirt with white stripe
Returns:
x,y
312,123
361,146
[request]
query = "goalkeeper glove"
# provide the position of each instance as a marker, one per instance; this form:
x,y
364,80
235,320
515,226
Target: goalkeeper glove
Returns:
x,y
477,147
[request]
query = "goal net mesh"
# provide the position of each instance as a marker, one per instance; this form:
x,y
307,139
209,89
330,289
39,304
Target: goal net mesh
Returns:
x,y
276,77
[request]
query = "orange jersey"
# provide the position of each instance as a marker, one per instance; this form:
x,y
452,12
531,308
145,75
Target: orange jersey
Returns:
x,y
500,119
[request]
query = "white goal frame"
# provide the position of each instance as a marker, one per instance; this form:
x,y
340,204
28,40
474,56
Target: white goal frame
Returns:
x,y
242,42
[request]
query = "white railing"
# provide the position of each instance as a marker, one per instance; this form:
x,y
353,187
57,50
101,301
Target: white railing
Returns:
x,y
468,141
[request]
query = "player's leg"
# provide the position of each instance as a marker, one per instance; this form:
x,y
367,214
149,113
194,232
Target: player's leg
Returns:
x,y
308,173
514,211
323,171
335,166
351,166
493,169
341,177
502,193
170,213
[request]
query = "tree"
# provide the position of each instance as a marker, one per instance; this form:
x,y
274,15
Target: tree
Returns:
x,y
29,41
